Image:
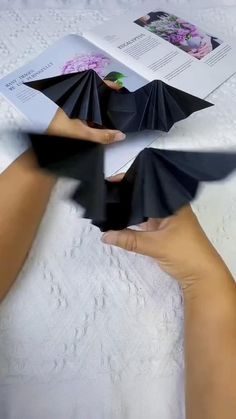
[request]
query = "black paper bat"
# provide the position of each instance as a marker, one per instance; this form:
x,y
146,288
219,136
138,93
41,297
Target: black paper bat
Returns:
x,y
84,95
158,183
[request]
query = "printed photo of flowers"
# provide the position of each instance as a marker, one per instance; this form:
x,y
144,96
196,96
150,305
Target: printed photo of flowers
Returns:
x,y
96,62
182,34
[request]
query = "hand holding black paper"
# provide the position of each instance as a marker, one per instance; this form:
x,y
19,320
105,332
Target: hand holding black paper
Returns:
x,y
84,95
62,125
158,183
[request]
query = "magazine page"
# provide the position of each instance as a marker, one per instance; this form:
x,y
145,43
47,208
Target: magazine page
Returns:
x,y
71,54
68,55
160,44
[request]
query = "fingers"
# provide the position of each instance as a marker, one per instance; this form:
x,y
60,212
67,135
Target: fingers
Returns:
x,y
103,136
155,239
59,124
63,126
116,178
133,241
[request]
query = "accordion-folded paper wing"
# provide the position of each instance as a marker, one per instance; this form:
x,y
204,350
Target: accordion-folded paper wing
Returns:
x,y
76,159
158,183
84,95
155,106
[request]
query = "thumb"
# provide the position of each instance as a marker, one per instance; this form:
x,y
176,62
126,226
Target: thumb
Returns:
x,y
104,136
133,241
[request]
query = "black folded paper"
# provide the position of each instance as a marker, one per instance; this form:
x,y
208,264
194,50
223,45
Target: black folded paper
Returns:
x,y
158,183
84,95
76,159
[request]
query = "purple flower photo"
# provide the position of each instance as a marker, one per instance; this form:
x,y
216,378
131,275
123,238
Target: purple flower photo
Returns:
x,y
96,62
184,35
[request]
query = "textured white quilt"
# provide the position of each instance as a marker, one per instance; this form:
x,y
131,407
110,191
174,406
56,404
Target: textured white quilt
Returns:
x,y
88,331
106,3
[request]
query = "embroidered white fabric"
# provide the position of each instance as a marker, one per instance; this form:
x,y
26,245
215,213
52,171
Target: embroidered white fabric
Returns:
x,y
98,4
90,331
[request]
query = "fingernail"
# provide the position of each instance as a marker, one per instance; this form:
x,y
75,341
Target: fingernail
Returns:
x,y
119,136
107,238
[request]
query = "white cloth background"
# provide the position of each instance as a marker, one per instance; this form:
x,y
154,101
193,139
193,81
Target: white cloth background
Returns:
x,y
88,331
106,3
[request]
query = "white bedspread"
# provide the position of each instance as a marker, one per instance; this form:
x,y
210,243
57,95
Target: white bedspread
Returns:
x,y
88,331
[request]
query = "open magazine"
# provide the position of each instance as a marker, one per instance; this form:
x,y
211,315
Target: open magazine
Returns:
x,y
154,44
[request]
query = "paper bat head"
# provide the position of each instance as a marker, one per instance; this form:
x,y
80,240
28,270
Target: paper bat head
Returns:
x,y
84,95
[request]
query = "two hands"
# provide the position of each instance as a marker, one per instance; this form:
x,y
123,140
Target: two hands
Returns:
x,y
177,243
